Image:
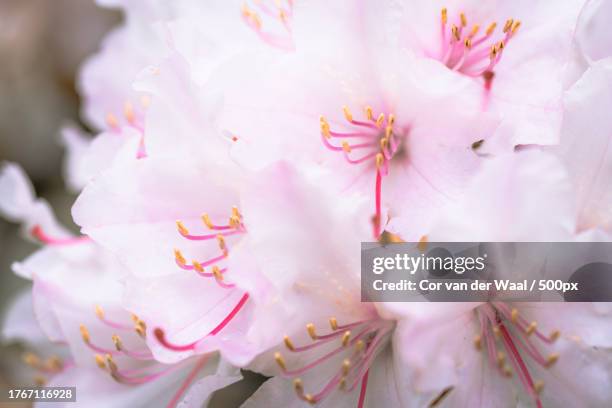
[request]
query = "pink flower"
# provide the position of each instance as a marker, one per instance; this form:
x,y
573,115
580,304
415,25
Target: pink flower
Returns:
x,y
83,311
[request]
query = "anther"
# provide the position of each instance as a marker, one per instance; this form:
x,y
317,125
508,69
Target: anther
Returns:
x,y
345,338
333,323
359,345
324,127
379,160
346,366
235,212
538,386
501,358
380,120
111,121
31,359
347,113
468,43
478,342
84,333
515,27
496,332
197,266
100,362
507,371
369,113
444,13
111,363
179,257
298,386
554,335
514,315
181,228
99,312
310,328
206,221
383,143
221,242
531,328
40,381
280,360
288,343
491,28
552,359
128,112
391,119
54,363
346,147
474,31
508,25
463,19
342,383
388,131
217,273
455,32
117,342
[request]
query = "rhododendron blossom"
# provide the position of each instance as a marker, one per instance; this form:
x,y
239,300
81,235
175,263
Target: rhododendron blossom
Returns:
x,y
247,149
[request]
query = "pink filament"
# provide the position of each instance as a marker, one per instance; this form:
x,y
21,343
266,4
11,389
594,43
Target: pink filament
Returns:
x,y
378,194
362,392
199,365
38,233
210,236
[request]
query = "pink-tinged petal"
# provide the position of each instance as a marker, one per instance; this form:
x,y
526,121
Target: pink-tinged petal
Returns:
x,y
589,161
18,203
86,157
19,323
530,188
592,34
199,393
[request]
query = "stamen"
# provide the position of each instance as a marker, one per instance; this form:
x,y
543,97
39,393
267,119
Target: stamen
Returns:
x,y
38,233
333,323
347,113
345,338
463,19
128,112
444,16
310,328
111,121
288,343
491,28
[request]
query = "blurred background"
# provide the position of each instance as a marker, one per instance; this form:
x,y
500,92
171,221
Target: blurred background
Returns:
x,y
42,44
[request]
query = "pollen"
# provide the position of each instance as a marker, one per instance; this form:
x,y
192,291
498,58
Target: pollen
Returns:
x,y
111,121
478,342
552,359
179,257
99,312
84,333
333,323
444,14
463,19
346,366
288,343
347,113
280,360
346,337
531,328
128,112
100,361
206,221
117,342
310,328
181,228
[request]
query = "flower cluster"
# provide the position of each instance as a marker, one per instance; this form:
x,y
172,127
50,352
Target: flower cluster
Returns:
x,y
246,151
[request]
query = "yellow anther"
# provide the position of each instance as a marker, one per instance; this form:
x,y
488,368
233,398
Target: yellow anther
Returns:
x,y
117,342
282,15
346,147
507,371
111,121
140,330
383,143
552,359
496,332
347,113
100,361
221,242
310,399
491,28
369,112
246,12
493,52
360,345
181,228
135,318
515,26
298,386
280,360
99,312
379,160
346,366
333,323
538,386
467,43
128,112
478,342
111,363
179,258
325,129
235,212
217,273
346,337
508,25
288,343
474,31
455,32
500,45
501,358
554,335
206,220
342,383
39,380
31,359
388,131
391,119
84,333
531,328
54,363
463,19
444,13
514,314
380,119
197,266
310,328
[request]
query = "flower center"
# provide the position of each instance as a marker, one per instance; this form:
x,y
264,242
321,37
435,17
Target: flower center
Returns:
x,y
507,336
373,141
357,345
465,51
276,17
